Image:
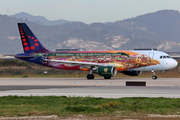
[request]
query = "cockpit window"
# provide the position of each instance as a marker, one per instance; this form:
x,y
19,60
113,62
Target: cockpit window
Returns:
x,y
163,57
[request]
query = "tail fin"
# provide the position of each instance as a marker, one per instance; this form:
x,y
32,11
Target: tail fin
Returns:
x,y
29,41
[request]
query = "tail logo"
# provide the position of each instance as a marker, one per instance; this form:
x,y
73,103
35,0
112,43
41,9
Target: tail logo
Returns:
x,y
29,41
25,43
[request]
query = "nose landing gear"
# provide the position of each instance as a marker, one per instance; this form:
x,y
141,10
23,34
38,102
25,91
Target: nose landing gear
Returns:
x,y
154,77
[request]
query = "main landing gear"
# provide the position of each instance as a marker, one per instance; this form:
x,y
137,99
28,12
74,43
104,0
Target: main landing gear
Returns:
x,y
154,77
90,75
107,77
93,69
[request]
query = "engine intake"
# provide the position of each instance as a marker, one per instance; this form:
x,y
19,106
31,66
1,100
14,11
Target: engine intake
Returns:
x,y
106,71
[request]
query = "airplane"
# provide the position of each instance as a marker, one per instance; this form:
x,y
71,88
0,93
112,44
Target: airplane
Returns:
x,y
103,63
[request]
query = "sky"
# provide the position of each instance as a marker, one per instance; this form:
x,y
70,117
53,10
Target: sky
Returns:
x,y
87,11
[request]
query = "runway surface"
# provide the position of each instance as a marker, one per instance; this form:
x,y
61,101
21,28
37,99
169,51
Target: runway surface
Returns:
x,y
73,87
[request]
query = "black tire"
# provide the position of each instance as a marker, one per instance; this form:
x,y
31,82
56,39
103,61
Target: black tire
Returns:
x,y
154,77
105,77
90,76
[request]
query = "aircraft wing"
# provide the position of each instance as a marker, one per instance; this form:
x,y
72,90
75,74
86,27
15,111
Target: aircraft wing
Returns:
x,y
80,63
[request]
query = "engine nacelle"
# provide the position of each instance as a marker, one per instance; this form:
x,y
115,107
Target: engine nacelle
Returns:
x,y
106,71
132,73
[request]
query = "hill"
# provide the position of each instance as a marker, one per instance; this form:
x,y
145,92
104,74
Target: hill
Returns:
x,y
38,19
159,25
159,29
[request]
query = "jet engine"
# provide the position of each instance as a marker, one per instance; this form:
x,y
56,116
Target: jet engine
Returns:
x,y
132,73
106,71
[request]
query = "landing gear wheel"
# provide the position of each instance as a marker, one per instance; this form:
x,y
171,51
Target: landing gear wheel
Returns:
x,y
90,76
154,77
107,77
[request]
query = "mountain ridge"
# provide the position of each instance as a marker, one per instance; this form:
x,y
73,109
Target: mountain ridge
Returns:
x,y
159,29
39,19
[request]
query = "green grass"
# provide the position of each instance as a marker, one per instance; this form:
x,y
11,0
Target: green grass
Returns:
x,y
88,106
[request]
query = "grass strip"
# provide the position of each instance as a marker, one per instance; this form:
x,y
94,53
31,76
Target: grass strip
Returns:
x,y
63,106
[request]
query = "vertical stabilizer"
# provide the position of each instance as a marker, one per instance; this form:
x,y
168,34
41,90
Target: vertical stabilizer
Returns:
x,y
29,41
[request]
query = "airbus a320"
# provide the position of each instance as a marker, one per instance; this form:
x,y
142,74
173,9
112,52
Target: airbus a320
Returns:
x,y
103,63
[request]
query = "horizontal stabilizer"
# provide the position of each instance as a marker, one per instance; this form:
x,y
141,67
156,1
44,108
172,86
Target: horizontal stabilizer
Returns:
x,y
18,55
7,57
23,56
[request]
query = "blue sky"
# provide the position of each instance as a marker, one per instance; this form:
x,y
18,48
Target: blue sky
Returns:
x,y
87,11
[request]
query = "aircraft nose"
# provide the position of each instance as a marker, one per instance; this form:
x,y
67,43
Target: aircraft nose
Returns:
x,y
171,63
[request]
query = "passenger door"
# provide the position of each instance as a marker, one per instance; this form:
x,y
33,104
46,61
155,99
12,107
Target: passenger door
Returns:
x,y
151,55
